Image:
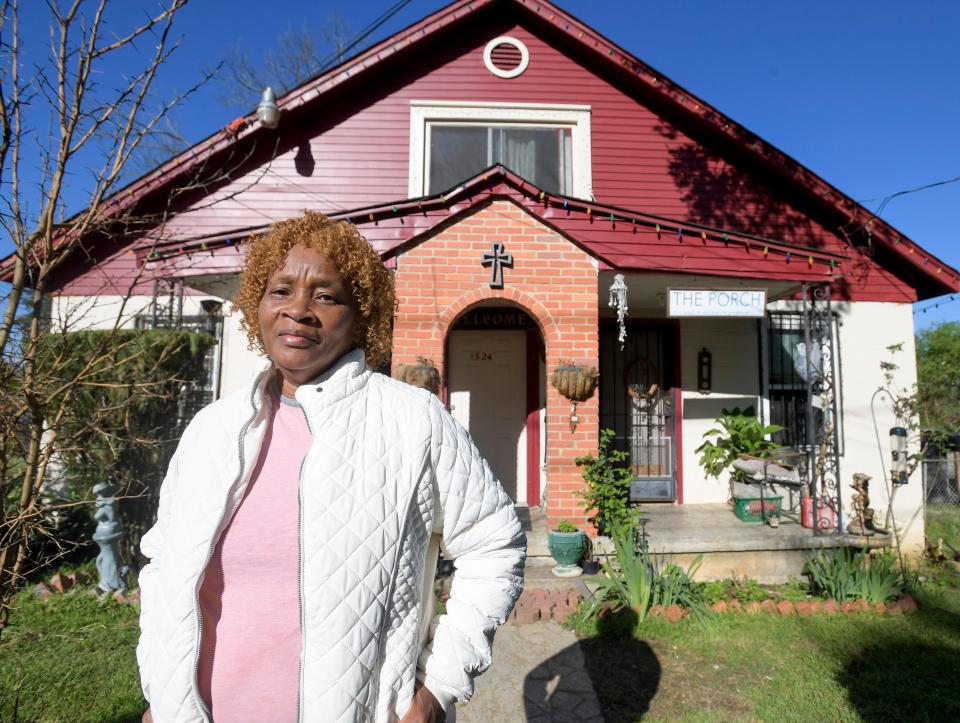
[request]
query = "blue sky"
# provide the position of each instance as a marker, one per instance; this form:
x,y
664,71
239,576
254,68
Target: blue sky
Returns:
x,y
862,92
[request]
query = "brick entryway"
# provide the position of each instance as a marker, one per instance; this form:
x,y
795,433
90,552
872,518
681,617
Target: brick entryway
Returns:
x,y
550,279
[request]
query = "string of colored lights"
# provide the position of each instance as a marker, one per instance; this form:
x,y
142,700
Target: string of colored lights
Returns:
x,y
925,309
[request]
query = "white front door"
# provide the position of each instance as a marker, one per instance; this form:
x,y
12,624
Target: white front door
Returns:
x,y
488,395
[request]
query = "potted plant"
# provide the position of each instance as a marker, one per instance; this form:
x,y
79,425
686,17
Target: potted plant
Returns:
x,y
423,374
567,545
739,432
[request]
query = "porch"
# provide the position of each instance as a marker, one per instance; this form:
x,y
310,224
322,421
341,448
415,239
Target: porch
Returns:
x,y
734,548
729,547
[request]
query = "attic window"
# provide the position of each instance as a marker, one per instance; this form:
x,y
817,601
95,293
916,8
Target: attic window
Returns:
x,y
506,57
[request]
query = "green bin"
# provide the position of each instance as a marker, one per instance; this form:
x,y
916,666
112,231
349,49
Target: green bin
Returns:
x,y
756,509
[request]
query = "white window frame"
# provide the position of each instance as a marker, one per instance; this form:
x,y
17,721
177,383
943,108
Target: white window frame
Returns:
x,y
424,113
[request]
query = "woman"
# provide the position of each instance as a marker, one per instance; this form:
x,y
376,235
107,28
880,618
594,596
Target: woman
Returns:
x,y
292,562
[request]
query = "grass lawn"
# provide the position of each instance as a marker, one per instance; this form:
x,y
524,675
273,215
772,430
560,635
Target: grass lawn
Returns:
x,y
767,668
943,523
71,658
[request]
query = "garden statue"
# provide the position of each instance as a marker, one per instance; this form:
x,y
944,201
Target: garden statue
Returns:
x,y
106,535
863,513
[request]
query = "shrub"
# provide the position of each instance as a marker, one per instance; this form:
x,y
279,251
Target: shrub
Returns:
x,y
566,526
608,486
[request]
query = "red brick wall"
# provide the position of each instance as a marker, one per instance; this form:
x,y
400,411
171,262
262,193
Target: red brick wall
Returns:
x,y
551,279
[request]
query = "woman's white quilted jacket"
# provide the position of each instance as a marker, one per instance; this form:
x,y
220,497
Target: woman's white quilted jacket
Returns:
x,y
390,479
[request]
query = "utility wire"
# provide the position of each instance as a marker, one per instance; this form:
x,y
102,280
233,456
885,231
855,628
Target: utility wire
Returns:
x,y
339,54
884,200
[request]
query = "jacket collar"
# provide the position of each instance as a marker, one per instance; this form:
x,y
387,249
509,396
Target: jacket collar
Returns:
x,y
344,377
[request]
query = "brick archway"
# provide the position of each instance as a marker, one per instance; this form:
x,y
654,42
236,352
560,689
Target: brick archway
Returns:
x,y
540,315
552,280
524,343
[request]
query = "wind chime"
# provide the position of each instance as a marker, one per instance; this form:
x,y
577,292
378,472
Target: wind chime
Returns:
x,y
618,301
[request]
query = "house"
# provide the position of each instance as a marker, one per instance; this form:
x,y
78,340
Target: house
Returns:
x,y
518,172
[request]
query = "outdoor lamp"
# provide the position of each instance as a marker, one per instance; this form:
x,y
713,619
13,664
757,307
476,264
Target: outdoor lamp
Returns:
x,y
268,112
704,372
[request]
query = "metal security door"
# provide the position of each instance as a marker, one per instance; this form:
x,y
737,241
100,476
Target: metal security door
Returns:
x,y
637,402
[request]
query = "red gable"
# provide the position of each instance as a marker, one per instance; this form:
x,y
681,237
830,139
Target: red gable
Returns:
x,y
898,268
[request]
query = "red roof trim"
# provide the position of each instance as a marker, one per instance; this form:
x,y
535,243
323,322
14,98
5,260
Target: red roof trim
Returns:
x,y
548,208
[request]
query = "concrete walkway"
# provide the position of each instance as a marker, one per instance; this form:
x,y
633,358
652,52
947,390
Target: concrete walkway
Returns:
x,y
538,674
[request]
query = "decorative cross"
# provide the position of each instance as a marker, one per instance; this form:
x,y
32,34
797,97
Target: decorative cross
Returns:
x,y
496,261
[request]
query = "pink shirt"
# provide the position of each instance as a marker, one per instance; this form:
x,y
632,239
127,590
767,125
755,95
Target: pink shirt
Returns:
x,y
250,598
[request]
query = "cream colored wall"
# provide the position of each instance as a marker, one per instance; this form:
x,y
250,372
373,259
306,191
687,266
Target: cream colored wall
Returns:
x,y
75,313
732,344
867,329
239,363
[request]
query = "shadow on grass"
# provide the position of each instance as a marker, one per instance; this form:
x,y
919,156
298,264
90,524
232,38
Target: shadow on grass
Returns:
x,y
625,672
902,678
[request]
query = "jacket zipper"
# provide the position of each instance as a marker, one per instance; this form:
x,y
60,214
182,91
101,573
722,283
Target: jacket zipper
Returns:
x,y
227,515
303,639
381,641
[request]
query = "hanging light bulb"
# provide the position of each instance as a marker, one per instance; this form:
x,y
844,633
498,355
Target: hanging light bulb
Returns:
x,y
618,301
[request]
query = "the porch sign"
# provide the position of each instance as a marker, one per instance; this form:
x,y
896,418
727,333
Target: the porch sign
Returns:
x,y
716,302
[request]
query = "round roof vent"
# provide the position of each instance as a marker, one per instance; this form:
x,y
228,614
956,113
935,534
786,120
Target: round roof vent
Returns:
x,y
506,57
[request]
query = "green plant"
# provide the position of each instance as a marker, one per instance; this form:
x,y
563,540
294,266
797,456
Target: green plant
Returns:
x,y
880,580
747,590
608,479
714,591
675,586
795,590
566,526
847,575
738,432
834,575
630,583
640,580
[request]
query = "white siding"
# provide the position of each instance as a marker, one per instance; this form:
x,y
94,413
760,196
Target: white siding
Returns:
x,y
867,329
733,345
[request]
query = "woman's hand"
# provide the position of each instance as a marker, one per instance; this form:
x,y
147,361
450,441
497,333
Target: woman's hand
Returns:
x,y
147,717
425,708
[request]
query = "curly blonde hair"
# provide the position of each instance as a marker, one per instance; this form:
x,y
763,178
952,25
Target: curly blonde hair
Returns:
x,y
358,264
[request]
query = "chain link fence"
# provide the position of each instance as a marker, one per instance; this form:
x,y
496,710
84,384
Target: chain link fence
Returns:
x,y
941,485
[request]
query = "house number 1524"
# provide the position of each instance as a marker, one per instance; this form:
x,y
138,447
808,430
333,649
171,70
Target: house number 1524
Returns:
x,y
481,356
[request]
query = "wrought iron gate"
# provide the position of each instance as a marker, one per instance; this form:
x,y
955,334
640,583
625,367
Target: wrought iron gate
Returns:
x,y
637,402
823,446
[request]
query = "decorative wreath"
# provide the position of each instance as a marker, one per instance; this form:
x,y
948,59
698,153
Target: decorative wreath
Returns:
x,y
652,370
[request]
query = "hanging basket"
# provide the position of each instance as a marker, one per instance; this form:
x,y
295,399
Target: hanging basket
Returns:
x,y
423,374
576,382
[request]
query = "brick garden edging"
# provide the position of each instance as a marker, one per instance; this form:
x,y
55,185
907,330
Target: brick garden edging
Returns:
x,y
539,604
60,584
804,608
